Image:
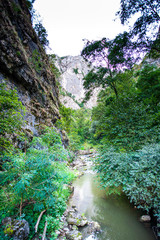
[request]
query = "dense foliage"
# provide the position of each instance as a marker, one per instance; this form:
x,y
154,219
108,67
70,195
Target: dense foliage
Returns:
x,y
146,25
132,120
109,58
125,124
144,35
126,120
11,118
136,173
34,181
77,124
128,129
41,33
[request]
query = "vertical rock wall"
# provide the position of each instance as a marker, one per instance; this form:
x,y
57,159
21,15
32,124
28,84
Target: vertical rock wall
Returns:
x,y
24,65
73,69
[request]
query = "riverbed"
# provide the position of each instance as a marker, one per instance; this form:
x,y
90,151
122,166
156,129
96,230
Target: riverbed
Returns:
x,y
119,220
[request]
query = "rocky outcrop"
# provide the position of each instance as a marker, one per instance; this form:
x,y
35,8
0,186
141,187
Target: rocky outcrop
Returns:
x,y
25,65
74,234
16,229
73,222
75,218
73,69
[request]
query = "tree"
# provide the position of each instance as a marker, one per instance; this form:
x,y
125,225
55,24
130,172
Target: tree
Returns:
x,y
148,84
144,30
109,57
41,33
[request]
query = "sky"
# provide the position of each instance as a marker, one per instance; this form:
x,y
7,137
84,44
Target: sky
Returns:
x,y
68,22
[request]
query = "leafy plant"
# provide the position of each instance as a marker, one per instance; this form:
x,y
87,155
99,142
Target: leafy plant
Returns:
x,y
11,117
148,84
75,70
41,33
132,120
54,69
35,180
36,60
145,28
137,173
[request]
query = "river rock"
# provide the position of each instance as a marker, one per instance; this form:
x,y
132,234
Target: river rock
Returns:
x,y
75,218
74,235
18,229
145,218
84,152
94,227
71,188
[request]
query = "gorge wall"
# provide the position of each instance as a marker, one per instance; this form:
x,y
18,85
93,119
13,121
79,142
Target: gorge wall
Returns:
x,y
73,69
24,65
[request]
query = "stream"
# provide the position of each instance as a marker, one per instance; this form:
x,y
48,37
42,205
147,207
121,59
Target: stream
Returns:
x,y
118,219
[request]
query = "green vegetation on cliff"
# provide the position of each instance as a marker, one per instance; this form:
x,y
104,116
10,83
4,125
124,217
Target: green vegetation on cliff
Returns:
x,y
34,180
11,119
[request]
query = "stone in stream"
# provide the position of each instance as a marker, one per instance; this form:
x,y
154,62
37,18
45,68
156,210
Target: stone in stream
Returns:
x,y
74,235
93,227
145,218
75,218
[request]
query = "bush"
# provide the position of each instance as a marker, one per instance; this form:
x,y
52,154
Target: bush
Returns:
x,y
34,181
11,118
136,173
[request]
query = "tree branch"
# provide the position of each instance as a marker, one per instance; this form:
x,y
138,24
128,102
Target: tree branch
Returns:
x,y
45,230
39,218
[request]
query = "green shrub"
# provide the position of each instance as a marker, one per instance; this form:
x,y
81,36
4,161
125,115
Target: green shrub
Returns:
x,y
136,173
35,180
11,118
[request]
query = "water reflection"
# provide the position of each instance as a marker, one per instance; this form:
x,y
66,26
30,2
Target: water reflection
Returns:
x,y
118,220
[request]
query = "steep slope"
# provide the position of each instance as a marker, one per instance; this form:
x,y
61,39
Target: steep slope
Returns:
x,y
25,65
73,69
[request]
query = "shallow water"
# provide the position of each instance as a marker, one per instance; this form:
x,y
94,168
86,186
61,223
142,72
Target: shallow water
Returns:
x,y
118,219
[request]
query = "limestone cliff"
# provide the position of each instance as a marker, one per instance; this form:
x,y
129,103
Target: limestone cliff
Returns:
x,y
24,65
73,69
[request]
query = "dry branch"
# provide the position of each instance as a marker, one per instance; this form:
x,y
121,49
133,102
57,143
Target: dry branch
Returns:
x,y
39,218
44,231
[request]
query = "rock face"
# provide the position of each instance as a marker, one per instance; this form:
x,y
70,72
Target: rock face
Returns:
x,y
18,229
25,66
74,234
73,222
152,61
73,69
74,218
